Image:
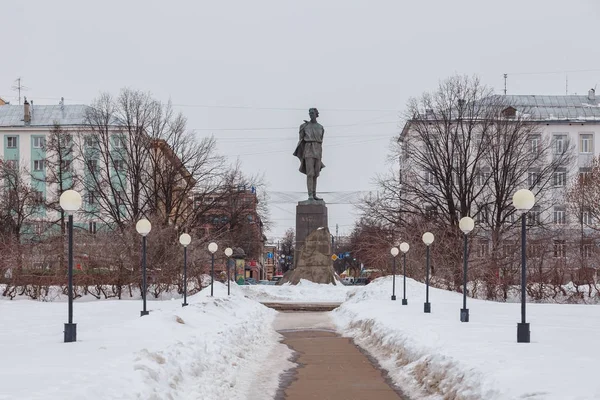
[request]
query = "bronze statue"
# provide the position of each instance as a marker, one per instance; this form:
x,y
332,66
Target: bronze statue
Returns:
x,y
310,150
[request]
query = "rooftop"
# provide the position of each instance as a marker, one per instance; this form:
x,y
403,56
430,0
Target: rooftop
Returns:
x,y
556,108
44,115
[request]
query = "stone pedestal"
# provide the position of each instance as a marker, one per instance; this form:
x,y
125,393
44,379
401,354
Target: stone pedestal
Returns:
x,y
310,215
312,259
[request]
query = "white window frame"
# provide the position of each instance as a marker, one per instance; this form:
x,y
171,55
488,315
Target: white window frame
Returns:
x,y
560,178
534,144
560,216
586,143
586,250
560,143
118,142
559,249
90,140
92,227
38,142
586,217
532,178
39,165
10,139
119,165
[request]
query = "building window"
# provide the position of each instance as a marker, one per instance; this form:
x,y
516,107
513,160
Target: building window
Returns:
x,y
38,165
560,178
534,250
38,228
586,217
92,165
11,142
38,196
532,178
38,142
586,143
65,165
92,197
90,141
119,198
482,177
429,177
586,250
119,165
534,144
118,142
92,227
585,174
483,215
482,248
560,144
430,211
560,249
533,216
560,217
509,250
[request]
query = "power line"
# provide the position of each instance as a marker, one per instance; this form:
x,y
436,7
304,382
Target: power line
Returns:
x,y
291,127
554,72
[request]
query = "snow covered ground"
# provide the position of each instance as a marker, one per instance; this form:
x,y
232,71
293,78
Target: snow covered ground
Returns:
x,y
435,356
216,348
305,291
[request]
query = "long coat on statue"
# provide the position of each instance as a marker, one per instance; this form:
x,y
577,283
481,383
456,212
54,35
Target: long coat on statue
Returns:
x,y
299,152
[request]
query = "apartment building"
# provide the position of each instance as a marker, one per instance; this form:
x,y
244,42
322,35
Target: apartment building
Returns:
x,y
564,124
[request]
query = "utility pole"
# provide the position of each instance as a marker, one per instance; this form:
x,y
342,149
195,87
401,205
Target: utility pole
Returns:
x,y
18,87
505,78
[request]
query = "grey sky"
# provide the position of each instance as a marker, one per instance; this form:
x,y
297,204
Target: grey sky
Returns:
x,y
292,55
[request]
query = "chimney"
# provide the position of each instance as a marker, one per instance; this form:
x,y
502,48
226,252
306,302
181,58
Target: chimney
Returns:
x,y
27,112
592,94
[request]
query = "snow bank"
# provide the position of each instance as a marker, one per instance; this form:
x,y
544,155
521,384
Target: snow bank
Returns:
x,y
212,349
435,356
305,291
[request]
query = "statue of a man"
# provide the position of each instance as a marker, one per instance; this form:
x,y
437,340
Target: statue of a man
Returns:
x,y
310,150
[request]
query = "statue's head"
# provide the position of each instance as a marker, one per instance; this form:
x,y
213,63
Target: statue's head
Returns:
x,y
313,113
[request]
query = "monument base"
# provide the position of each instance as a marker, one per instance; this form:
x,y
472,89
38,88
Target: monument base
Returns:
x,y
313,260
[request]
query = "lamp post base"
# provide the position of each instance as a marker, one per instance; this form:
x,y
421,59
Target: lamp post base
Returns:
x,y
427,308
70,333
464,315
184,304
393,297
404,302
142,313
523,333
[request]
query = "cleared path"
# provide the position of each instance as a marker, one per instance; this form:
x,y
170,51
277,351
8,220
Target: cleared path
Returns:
x,y
330,367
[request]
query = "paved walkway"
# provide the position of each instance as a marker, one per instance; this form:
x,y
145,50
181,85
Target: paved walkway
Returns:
x,y
331,367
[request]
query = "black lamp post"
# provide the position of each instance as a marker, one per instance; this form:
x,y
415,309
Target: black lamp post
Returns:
x,y
185,240
228,253
466,225
404,249
212,247
428,240
523,201
70,201
394,251
143,227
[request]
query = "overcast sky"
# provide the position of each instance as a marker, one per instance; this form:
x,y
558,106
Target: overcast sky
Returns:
x,y
261,64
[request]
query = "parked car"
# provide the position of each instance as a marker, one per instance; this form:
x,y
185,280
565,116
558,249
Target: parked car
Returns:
x,y
264,282
276,278
362,281
251,281
349,280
